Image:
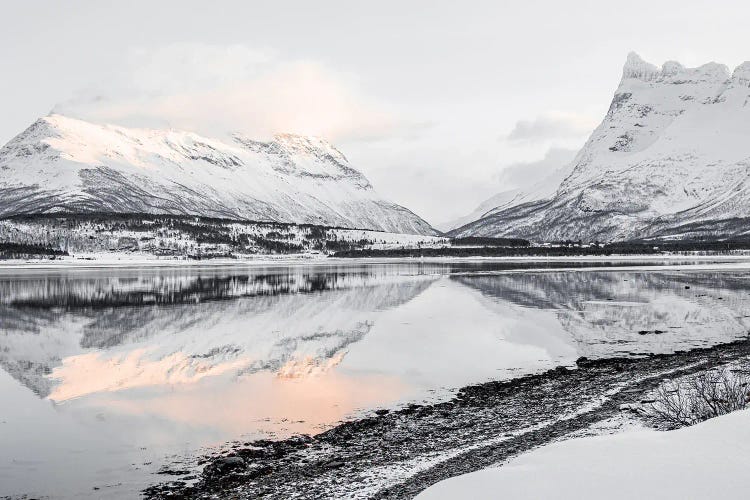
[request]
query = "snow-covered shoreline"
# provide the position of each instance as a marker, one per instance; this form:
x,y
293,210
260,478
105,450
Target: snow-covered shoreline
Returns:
x,y
482,426
695,261
708,460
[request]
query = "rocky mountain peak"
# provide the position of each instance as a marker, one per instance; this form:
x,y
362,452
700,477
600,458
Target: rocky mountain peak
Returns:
x,y
673,72
635,67
741,74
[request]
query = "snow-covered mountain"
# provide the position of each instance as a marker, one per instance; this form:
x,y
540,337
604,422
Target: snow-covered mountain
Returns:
x,y
61,164
671,159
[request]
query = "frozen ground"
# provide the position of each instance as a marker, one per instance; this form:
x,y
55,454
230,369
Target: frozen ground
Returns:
x,y
708,460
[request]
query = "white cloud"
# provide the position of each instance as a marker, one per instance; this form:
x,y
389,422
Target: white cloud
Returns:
x,y
525,174
217,89
551,126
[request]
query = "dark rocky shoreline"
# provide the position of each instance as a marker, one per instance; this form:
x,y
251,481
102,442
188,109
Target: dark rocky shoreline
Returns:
x,y
397,454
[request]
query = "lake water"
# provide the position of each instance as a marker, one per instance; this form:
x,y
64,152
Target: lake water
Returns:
x,y
110,375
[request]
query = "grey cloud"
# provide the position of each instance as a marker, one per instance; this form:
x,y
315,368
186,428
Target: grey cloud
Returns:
x,y
524,174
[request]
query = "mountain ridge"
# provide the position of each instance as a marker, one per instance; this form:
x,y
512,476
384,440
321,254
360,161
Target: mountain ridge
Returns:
x,y
62,164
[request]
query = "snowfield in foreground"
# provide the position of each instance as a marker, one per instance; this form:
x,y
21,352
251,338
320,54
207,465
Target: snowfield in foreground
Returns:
x,y
709,460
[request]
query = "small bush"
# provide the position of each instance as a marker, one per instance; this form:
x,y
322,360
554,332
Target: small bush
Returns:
x,y
688,401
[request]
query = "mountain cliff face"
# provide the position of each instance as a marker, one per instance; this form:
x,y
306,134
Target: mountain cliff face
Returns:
x,y
60,164
671,159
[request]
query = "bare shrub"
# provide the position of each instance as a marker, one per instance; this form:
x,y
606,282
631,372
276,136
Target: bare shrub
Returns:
x,y
687,401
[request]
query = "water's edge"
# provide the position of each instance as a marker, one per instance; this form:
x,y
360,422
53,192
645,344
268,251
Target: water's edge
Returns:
x,y
397,454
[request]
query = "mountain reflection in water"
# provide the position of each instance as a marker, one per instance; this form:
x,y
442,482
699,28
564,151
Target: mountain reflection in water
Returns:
x,y
176,359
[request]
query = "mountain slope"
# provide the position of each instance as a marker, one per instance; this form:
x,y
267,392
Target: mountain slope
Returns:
x,y
670,159
61,164
541,190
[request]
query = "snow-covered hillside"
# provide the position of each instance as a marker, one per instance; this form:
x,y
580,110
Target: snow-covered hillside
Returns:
x,y
61,164
671,159
180,237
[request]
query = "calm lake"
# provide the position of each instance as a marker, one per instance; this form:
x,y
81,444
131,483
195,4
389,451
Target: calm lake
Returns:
x,y
108,376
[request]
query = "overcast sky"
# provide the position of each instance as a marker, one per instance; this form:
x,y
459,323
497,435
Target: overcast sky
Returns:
x,y
431,100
